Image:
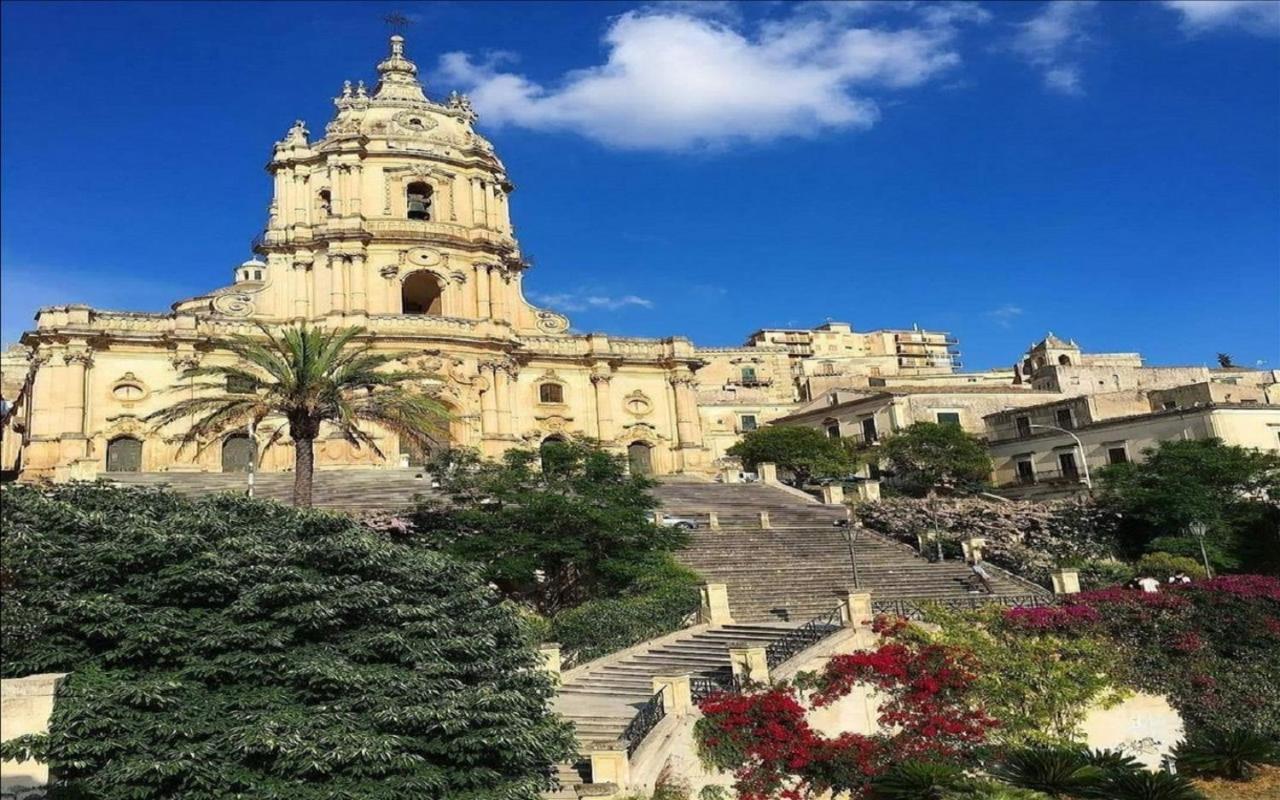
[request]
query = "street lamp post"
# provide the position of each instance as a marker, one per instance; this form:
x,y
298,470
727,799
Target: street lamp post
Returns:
x,y
1084,459
1199,530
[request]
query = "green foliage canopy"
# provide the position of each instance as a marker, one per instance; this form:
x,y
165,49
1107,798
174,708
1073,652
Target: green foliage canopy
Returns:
x,y
804,452
1231,490
928,455
550,529
228,648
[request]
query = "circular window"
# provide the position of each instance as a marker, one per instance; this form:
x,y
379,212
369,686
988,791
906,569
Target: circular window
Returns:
x,y
128,389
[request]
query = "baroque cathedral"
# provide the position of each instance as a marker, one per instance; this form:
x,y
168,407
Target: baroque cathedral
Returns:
x,y
397,220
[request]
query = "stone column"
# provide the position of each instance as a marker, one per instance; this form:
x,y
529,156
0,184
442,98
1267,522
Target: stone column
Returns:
x,y
687,428
1066,581
858,609
602,378
488,405
768,472
750,664
298,289
611,766
484,307
359,280
713,606
677,696
550,653
498,292
502,397
353,182
833,494
74,391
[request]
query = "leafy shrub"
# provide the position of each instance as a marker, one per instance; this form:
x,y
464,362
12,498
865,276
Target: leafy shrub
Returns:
x,y
1164,565
226,647
1113,760
1100,573
913,780
663,602
1147,786
1056,771
1235,755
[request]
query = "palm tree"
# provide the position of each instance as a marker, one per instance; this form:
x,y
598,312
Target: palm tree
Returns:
x,y
308,376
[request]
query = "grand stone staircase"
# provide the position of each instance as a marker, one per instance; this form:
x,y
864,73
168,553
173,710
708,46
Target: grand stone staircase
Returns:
x,y
345,490
801,566
602,698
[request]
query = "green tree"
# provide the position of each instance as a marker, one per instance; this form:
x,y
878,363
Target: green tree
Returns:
x,y
1231,490
550,528
927,455
804,452
309,377
230,648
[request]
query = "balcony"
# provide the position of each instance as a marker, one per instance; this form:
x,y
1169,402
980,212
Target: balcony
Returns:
x,y
1042,477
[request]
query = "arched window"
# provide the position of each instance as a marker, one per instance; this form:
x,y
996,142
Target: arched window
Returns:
x,y
324,203
1064,360
418,195
421,294
550,393
554,453
124,454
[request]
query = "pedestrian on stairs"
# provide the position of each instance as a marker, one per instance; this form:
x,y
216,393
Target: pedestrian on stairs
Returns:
x,y
981,575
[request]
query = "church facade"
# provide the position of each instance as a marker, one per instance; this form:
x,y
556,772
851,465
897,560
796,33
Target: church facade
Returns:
x,y
396,220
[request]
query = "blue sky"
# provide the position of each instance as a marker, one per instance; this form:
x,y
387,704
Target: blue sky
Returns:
x,y
1107,171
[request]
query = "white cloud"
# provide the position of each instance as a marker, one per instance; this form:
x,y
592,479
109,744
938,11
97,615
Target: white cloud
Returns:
x,y
1256,16
1005,314
583,300
673,80
1051,42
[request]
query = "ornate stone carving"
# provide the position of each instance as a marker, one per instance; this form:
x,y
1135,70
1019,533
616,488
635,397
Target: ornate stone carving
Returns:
x,y
601,376
185,361
390,271
551,322
83,357
234,304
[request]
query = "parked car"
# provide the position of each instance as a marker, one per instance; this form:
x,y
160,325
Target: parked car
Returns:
x,y
672,521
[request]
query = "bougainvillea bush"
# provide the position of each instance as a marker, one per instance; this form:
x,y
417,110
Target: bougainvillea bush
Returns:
x,y
928,712
230,648
1028,539
1212,646
1038,670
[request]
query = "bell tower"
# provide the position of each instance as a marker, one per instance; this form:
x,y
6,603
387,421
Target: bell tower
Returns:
x,y
401,209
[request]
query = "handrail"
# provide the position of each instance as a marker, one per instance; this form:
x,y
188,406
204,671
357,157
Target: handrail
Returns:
x,y
807,635
649,715
703,686
918,609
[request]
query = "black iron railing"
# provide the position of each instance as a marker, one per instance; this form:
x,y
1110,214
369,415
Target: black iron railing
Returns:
x,y
703,686
918,609
807,635
649,715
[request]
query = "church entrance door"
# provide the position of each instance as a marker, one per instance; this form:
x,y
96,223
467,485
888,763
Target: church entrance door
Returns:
x,y
238,453
640,456
124,455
